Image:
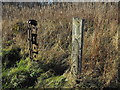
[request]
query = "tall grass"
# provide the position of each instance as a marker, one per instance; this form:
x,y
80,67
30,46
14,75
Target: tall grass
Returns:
x,y
54,35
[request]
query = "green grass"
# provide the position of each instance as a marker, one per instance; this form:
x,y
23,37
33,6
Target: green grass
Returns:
x,y
28,74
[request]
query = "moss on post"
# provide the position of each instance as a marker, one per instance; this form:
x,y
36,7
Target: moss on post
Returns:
x,y
77,45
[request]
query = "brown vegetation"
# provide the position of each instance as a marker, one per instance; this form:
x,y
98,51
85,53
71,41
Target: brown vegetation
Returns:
x,y
100,54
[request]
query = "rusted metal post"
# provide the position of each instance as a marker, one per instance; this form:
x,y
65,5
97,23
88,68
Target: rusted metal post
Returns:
x,y
32,40
77,46
29,41
34,43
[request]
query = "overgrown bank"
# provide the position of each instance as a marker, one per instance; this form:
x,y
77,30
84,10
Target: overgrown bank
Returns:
x,y
100,54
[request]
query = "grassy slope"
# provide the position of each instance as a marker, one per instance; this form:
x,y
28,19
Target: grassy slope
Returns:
x,y
55,25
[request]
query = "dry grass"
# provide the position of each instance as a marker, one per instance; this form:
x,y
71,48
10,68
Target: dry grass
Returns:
x,y
55,25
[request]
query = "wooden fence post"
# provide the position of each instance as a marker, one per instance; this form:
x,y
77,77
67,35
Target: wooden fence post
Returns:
x,y
77,46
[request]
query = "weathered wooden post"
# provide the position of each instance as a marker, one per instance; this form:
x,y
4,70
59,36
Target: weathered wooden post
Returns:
x,y
77,46
32,39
